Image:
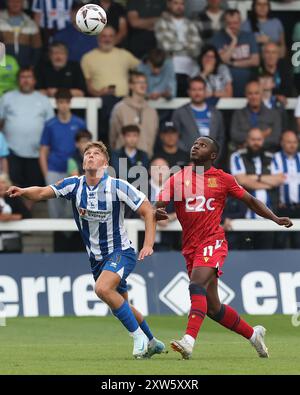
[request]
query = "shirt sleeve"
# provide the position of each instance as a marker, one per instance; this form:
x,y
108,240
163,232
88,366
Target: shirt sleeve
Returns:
x,y
49,110
3,146
236,164
234,189
128,194
64,188
167,193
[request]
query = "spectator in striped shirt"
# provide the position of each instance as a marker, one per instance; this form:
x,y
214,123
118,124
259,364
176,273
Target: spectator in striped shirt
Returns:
x,y
287,161
51,16
20,34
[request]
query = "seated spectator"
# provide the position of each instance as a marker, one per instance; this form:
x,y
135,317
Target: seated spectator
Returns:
x,y
78,44
216,74
160,74
8,74
51,16
197,119
134,109
20,34
106,68
267,83
179,38
256,115
254,169
159,173
4,152
57,145
58,73
169,151
116,15
142,15
211,19
237,49
74,166
10,210
265,28
280,69
24,113
287,161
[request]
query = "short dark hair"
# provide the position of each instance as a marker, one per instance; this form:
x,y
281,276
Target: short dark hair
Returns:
x,y
231,12
210,48
216,145
63,93
196,79
25,70
157,57
265,74
58,44
135,74
83,134
130,128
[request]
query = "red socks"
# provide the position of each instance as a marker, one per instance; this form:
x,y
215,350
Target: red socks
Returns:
x,y
229,318
198,310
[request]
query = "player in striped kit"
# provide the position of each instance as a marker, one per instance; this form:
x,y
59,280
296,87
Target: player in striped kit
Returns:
x,y
98,202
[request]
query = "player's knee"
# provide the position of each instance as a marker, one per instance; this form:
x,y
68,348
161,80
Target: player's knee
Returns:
x,y
102,291
197,289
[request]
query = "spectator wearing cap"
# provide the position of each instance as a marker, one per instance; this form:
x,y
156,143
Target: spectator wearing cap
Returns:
x,y
107,67
134,109
57,145
255,170
129,155
20,34
256,115
74,166
197,119
142,15
24,112
287,161
169,150
58,73
179,38
78,44
160,74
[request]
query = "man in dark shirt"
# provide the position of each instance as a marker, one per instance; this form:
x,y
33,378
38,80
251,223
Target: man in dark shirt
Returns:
x,y
58,72
142,15
169,150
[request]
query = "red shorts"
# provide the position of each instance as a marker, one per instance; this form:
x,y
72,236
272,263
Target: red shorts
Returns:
x,y
209,254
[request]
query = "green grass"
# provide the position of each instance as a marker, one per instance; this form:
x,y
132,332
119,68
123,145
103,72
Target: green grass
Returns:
x,y
89,345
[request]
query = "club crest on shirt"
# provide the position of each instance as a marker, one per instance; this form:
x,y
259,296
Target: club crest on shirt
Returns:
x,y
212,183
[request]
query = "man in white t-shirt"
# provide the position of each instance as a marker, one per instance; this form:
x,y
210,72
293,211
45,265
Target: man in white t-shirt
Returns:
x,y
179,37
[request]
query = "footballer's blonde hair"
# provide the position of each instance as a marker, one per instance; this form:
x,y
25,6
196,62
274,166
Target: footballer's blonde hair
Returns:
x,y
99,145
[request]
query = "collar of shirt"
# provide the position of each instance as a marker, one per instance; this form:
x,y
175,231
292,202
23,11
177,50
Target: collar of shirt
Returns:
x,y
101,181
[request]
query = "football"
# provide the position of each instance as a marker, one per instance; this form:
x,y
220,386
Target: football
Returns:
x,y
91,19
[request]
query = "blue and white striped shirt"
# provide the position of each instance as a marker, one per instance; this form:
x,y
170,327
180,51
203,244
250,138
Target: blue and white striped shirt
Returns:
x,y
55,13
290,166
99,212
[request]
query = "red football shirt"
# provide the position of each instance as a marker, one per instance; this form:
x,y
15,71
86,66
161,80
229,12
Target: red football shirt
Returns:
x,y
199,203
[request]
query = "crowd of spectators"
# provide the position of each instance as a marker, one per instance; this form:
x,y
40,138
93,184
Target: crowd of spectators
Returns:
x,y
152,50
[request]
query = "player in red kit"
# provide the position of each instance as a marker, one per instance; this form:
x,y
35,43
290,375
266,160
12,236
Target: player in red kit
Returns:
x,y
199,193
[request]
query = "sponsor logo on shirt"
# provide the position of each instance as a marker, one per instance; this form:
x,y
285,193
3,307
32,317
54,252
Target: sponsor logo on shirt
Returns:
x,y
94,215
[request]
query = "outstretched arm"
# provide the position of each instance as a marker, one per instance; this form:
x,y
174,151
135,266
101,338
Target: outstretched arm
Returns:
x,y
31,193
261,209
146,211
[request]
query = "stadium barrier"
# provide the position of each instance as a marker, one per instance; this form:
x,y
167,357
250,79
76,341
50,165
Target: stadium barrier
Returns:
x,y
134,226
56,285
92,105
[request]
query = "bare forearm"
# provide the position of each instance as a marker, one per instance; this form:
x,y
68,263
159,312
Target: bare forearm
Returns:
x,y
34,193
252,62
150,229
261,209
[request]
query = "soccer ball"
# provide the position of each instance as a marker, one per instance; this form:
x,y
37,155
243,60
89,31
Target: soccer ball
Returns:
x,y
91,19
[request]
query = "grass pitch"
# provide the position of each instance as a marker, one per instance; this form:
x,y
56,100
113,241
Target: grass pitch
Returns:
x,y
93,345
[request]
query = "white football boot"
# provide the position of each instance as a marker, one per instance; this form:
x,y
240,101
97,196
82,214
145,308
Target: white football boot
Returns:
x,y
183,347
140,346
258,342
